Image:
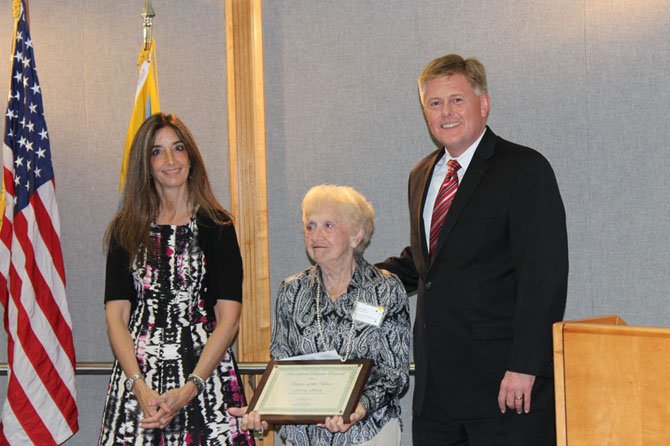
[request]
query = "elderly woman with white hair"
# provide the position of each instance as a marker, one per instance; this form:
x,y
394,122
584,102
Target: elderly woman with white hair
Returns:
x,y
316,311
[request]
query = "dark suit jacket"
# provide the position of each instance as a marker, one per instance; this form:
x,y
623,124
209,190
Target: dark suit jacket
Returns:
x,y
496,284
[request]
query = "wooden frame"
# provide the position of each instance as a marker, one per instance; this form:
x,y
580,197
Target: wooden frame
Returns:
x,y
248,181
361,373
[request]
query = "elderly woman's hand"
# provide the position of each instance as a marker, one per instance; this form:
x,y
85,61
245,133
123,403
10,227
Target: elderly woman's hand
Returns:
x,y
337,424
249,421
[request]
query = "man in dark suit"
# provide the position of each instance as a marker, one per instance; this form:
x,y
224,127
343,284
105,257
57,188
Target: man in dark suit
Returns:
x,y
488,256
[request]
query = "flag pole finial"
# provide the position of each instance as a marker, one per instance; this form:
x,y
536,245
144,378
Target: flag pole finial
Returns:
x,y
148,14
16,6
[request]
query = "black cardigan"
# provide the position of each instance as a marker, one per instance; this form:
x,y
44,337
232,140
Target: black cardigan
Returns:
x,y
223,276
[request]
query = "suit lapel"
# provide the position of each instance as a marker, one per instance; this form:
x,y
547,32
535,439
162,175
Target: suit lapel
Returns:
x,y
476,170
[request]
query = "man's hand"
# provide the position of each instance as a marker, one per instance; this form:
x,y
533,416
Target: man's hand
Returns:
x,y
515,392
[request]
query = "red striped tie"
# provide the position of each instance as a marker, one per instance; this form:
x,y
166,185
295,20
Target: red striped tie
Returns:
x,y
443,200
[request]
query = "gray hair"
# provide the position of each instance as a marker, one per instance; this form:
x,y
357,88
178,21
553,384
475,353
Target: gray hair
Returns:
x,y
357,211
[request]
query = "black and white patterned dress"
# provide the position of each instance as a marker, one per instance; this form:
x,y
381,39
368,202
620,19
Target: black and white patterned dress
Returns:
x,y
170,322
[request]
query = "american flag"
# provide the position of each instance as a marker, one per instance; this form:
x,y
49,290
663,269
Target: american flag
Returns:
x,y
41,398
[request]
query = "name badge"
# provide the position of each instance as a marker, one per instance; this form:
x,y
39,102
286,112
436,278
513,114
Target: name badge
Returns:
x,y
369,314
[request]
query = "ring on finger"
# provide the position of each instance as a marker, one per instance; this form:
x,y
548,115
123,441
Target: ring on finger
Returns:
x,y
258,434
518,398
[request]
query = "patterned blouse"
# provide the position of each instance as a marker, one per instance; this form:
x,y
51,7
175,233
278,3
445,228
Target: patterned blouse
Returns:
x,y
295,332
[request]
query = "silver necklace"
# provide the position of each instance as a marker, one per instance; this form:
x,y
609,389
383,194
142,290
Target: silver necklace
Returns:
x,y
350,338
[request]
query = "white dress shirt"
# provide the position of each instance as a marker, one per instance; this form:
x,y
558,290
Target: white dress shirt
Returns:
x,y
439,173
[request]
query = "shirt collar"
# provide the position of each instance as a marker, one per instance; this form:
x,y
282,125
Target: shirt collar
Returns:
x,y
465,157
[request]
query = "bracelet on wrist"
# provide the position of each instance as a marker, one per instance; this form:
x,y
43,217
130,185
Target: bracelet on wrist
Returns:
x,y
197,381
130,382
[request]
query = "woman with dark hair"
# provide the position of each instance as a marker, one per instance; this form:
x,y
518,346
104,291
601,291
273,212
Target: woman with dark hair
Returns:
x,y
173,295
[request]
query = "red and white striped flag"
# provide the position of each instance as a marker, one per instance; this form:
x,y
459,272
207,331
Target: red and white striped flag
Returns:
x,y
41,404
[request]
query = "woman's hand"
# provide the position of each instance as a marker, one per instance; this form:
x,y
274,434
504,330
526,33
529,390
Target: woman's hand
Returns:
x,y
145,398
164,407
337,424
249,421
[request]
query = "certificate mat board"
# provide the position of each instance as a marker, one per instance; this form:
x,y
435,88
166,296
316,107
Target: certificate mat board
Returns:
x,y
306,392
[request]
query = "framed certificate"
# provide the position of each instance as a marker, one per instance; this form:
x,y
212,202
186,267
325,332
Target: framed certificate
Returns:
x,y
306,392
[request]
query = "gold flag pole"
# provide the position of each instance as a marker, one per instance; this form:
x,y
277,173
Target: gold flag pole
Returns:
x,y
16,6
146,96
148,14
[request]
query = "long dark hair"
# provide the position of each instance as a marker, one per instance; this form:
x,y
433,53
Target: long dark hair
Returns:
x,y
129,228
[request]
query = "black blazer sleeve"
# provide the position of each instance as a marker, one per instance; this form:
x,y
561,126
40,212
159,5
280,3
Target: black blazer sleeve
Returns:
x,y
223,277
539,248
403,267
118,279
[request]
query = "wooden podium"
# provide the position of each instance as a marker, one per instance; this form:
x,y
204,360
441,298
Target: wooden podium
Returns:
x,y
612,383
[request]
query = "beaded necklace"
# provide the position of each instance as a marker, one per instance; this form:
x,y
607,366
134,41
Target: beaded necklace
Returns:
x,y
318,323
